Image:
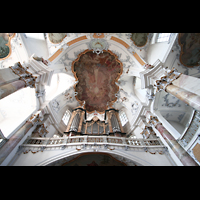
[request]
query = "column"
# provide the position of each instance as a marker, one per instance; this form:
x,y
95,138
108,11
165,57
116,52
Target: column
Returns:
x,y
175,84
14,78
10,88
185,96
16,138
7,76
183,156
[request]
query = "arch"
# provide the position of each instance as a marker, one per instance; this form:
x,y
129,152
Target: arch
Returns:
x,y
118,152
173,113
84,38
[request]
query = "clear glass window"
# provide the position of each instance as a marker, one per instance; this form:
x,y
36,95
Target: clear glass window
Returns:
x,y
123,118
163,37
66,117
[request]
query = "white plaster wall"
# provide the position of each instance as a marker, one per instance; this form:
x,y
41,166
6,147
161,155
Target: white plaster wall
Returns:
x,y
137,132
51,130
157,51
140,93
179,127
37,46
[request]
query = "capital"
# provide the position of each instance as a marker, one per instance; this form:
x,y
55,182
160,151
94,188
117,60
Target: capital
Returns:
x,y
167,80
153,121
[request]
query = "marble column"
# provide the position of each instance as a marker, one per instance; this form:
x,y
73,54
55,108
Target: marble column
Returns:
x,y
10,88
14,78
180,152
181,86
7,76
16,138
187,97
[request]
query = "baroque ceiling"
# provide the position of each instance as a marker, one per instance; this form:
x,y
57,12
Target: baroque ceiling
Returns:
x,y
96,75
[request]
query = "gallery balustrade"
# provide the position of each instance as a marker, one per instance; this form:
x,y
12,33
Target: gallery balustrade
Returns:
x,y
35,144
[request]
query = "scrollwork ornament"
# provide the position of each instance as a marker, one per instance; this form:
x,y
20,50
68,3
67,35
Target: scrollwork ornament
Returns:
x,y
98,45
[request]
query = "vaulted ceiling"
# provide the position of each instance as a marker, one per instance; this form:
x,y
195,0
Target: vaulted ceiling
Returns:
x,y
68,52
103,79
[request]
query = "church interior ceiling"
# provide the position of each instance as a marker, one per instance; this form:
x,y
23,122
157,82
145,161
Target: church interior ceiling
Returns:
x,y
97,75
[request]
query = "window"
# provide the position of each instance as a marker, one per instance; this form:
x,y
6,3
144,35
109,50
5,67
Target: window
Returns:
x,y
163,37
123,118
66,117
39,36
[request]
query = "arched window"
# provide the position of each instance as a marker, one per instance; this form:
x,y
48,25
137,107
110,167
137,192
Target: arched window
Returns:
x,y
66,117
163,37
123,118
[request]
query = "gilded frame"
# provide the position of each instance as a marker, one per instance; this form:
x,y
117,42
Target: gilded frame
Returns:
x,y
9,46
76,79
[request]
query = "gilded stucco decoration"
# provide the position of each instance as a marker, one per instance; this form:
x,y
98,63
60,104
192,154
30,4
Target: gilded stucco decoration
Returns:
x,y
5,45
98,45
96,75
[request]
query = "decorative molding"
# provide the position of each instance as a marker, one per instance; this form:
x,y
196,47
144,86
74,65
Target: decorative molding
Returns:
x,y
98,45
55,105
40,93
77,40
171,104
24,75
8,44
120,41
167,80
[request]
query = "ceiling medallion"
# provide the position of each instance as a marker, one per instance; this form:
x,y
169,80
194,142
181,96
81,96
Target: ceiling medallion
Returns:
x,y
5,45
96,75
98,45
190,48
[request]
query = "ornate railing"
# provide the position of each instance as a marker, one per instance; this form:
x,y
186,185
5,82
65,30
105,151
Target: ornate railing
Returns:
x,y
191,131
35,144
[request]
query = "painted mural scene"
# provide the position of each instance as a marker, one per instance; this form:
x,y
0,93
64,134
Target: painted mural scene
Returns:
x,y
5,44
99,99
97,75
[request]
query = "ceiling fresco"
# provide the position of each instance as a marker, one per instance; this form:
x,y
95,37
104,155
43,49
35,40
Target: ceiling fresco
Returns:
x,y
56,37
5,47
97,75
190,49
139,39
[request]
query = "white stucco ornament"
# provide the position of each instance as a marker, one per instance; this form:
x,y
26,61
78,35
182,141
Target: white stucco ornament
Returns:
x,y
98,45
